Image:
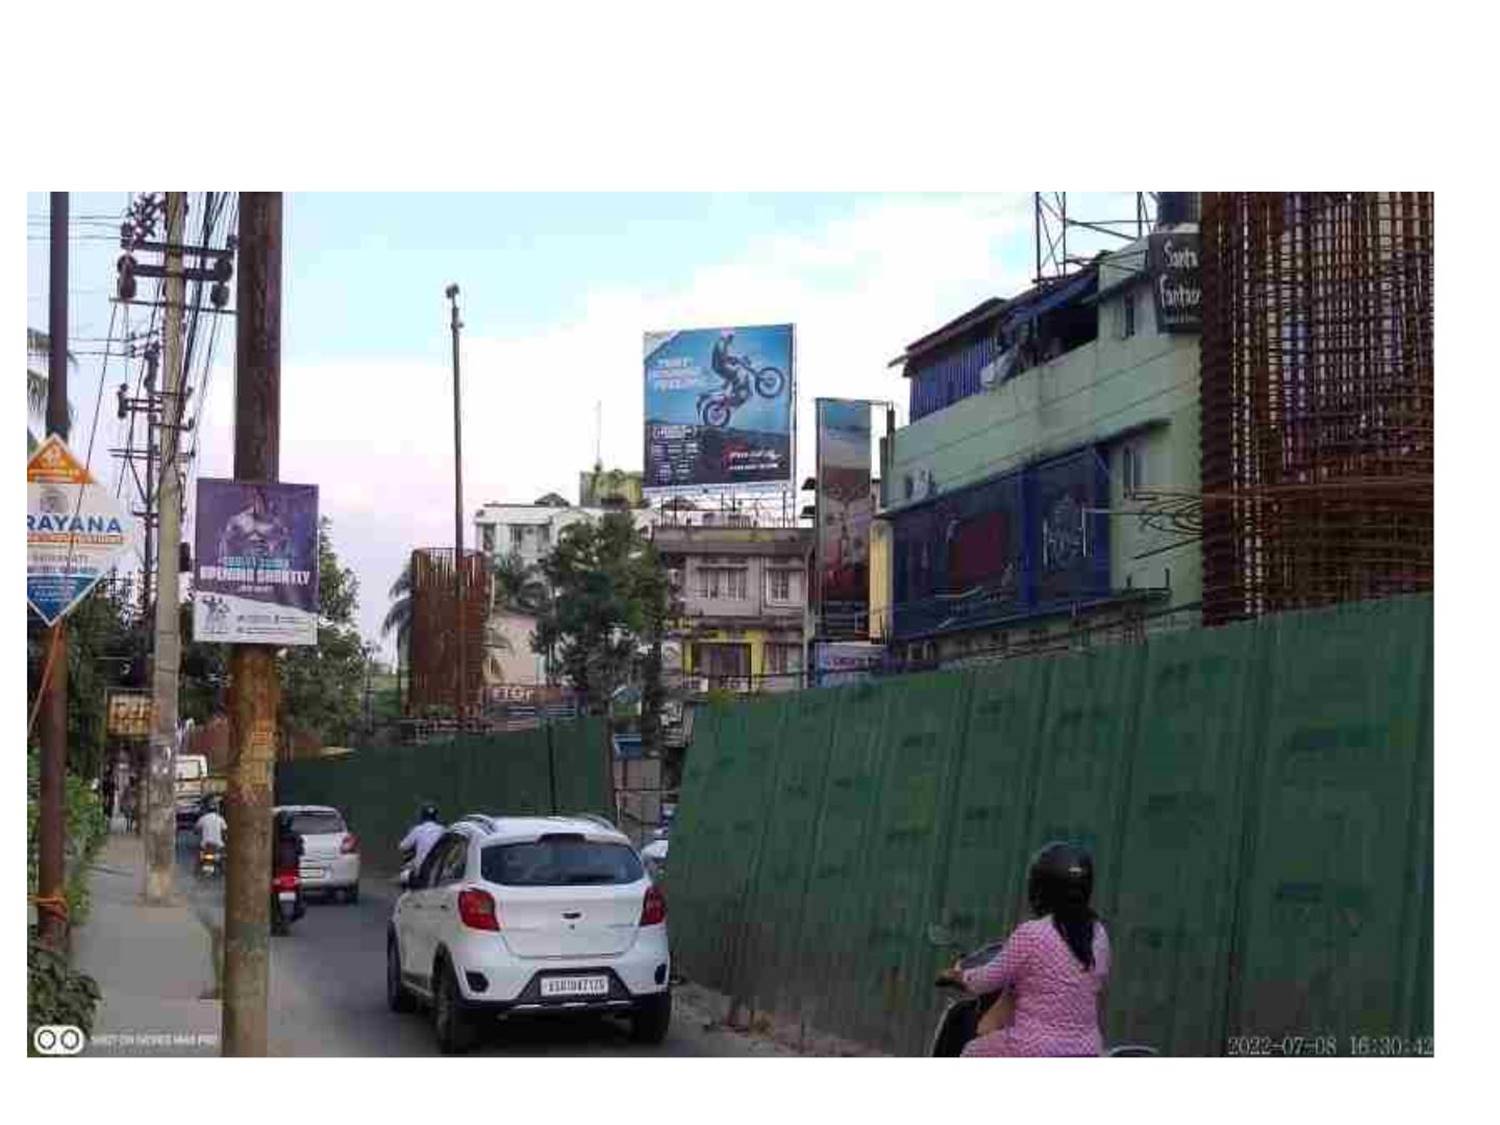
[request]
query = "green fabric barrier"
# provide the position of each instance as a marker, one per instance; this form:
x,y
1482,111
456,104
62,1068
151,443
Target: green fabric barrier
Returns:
x,y
1258,799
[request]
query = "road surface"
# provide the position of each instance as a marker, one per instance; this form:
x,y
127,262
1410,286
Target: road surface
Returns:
x,y
328,993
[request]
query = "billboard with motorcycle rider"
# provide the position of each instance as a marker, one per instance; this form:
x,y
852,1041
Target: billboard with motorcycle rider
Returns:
x,y
719,409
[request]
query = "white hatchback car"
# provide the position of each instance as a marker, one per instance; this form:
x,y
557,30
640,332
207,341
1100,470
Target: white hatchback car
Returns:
x,y
330,852
516,916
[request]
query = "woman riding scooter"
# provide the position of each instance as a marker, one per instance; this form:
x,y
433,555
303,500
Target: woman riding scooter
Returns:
x,y
1053,969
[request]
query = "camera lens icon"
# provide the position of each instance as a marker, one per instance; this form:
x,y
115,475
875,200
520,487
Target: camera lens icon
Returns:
x,y
58,1039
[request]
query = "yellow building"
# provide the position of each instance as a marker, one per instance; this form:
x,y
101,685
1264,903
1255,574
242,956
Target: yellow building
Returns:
x,y
741,595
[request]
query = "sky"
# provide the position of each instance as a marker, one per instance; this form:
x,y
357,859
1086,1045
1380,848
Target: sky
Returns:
x,y
556,292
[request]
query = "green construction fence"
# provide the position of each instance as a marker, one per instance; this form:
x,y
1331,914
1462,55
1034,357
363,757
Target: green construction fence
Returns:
x,y
1258,799
562,767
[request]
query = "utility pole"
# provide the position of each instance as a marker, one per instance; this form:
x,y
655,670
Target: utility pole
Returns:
x,y
52,907
254,689
153,355
161,814
458,509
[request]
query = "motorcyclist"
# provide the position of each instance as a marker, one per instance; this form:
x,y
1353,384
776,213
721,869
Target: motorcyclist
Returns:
x,y
286,860
423,835
725,365
288,844
211,827
1053,969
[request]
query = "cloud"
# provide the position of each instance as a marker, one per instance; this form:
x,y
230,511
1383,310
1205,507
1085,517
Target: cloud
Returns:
x,y
377,437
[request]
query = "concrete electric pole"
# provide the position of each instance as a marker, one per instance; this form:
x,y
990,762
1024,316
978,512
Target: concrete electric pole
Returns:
x,y
161,814
254,689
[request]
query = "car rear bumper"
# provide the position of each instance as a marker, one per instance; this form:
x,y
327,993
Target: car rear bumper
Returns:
x,y
531,1002
327,875
512,982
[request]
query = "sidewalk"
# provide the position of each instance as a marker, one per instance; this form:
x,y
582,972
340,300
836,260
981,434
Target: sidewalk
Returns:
x,y
153,963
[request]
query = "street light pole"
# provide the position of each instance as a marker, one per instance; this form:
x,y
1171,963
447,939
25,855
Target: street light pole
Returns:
x,y
458,510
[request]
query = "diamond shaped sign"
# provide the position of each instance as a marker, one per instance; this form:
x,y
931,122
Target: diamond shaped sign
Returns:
x,y
75,530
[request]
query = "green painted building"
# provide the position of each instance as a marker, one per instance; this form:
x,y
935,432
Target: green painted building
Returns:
x,y
1045,492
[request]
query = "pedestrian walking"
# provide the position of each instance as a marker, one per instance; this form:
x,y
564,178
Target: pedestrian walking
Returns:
x,y
107,794
132,807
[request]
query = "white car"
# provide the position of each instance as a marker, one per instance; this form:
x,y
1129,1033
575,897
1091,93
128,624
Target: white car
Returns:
x,y
330,852
518,916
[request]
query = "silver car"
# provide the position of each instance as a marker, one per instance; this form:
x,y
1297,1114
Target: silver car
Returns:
x,y
330,852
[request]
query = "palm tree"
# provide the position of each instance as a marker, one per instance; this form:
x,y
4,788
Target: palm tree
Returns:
x,y
398,620
38,346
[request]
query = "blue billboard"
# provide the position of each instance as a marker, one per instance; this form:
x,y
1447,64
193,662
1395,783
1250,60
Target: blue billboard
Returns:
x,y
719,408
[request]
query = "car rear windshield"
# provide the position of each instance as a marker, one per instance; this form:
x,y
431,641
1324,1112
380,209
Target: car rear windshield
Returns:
x,y
317,823
559,863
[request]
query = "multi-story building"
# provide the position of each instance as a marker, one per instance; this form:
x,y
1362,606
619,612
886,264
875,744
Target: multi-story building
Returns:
x,y
741,597
611,488
528,532
1044,488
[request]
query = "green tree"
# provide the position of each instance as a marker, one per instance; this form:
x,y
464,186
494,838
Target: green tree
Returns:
x,y
608,599
322,685
99,654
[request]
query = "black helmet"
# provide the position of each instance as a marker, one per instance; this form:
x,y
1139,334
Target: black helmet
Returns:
x,y
1061,875
429,812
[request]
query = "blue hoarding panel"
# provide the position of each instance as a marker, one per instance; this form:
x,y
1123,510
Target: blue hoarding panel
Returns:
x,y
718,407
1021,544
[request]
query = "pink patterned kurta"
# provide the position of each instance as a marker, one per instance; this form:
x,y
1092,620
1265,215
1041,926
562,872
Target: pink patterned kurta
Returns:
x,y
1056,997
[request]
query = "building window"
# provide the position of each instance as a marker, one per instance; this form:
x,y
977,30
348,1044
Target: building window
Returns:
x,y
1133,468
781,585
517,538
487,537
544,533
722,662
1127,326
783,660
724,584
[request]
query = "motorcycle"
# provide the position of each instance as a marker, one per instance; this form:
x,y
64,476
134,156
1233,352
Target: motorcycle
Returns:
x,y
287,904
715,408
210,861
959,1022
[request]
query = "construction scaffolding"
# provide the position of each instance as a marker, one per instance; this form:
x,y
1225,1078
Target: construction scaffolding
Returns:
x,y
1317,399
434,651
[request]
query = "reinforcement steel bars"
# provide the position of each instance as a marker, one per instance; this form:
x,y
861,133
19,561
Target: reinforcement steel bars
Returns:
x,y
1317,399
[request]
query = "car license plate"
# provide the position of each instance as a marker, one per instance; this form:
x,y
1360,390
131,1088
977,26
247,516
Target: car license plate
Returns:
x,y
575,986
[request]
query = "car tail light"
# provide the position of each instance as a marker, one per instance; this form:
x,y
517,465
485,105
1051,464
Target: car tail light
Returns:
x,y
654,909
286,881
476,909
350,844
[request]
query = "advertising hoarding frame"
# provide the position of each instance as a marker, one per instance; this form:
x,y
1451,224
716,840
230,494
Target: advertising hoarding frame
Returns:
x,y
785,485
66,504
861,606
248,605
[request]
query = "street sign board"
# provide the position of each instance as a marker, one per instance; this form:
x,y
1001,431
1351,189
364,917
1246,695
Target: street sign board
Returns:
x,y
256,580
75,530
130,714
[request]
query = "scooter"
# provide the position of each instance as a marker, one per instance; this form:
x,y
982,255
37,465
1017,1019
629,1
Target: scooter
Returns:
x,y
210,861
286,901
960,1019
